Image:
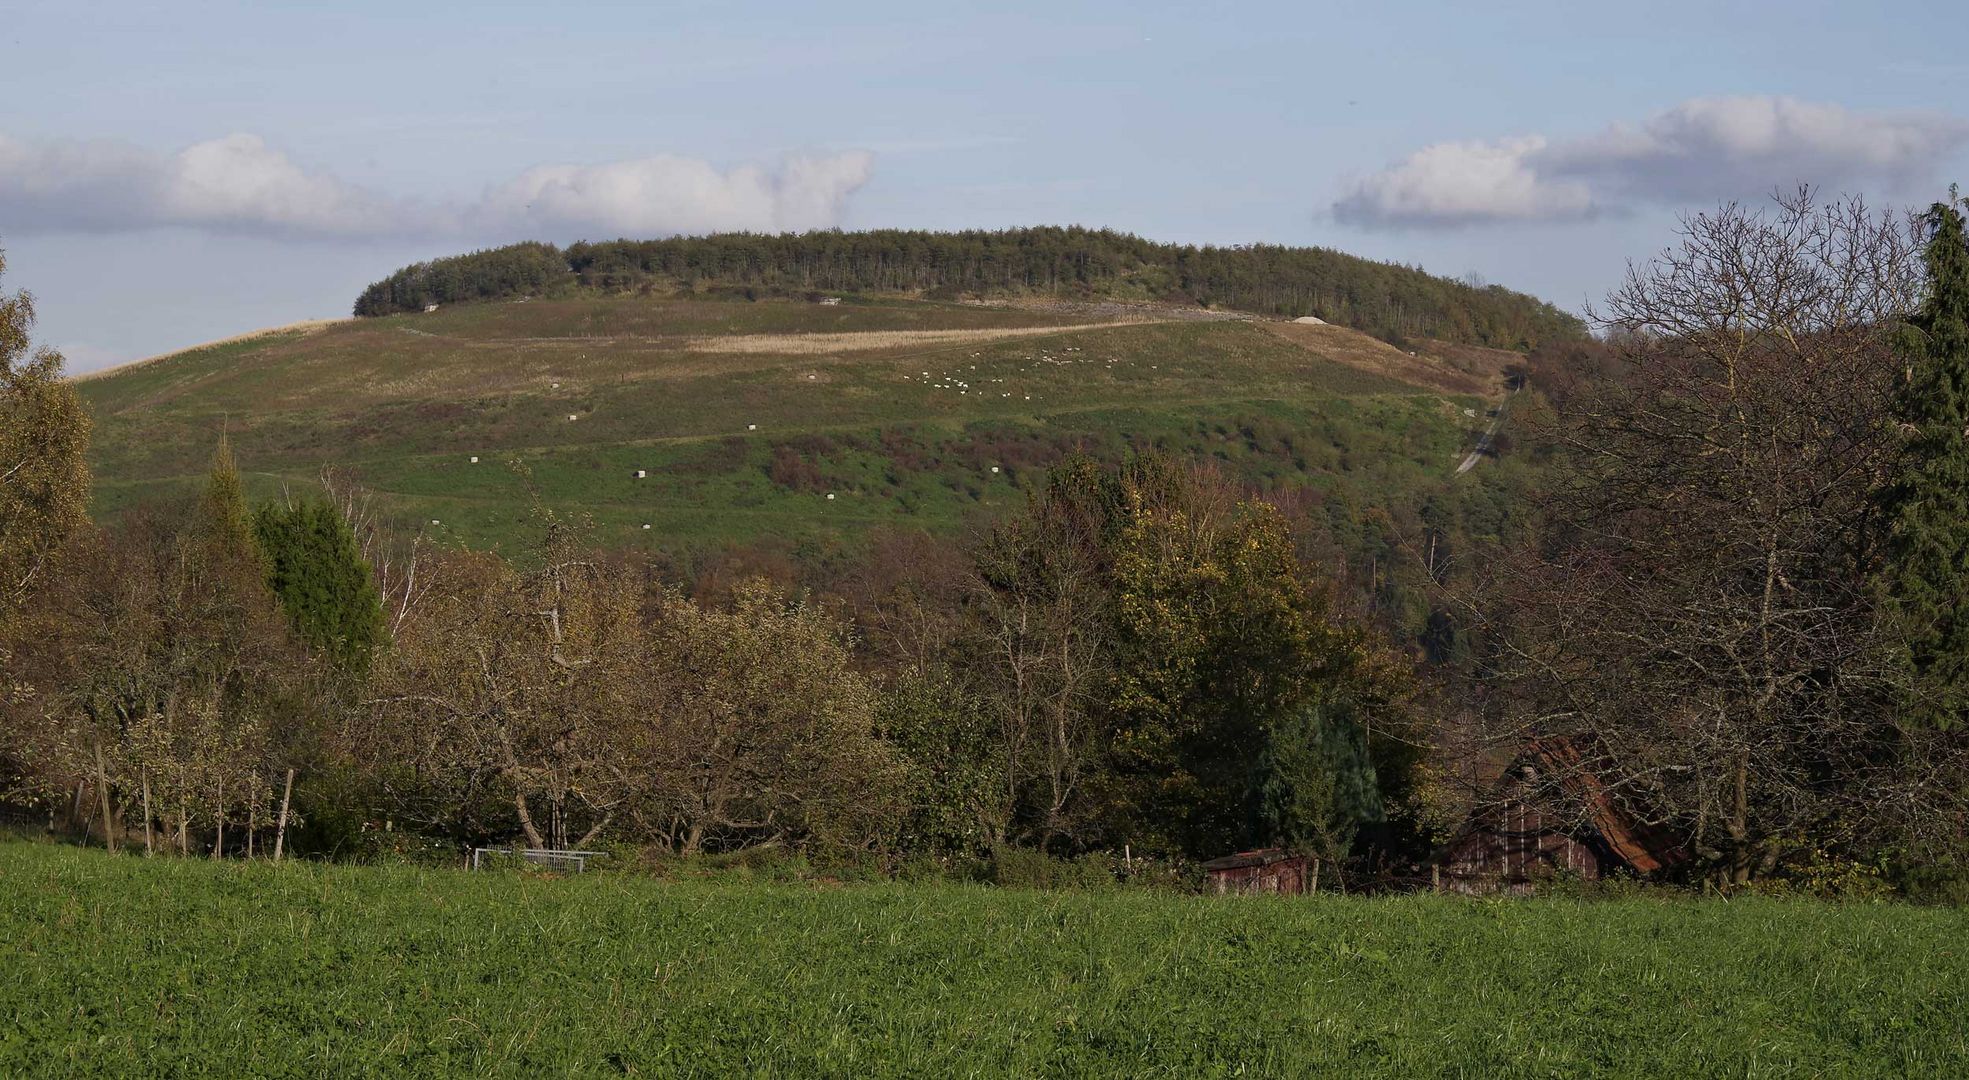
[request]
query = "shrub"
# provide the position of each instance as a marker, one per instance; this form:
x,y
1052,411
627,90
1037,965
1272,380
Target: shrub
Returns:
x,y
1027,868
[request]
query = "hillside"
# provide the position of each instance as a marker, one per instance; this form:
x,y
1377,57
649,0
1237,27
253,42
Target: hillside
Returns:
x,y
745,417
1386,300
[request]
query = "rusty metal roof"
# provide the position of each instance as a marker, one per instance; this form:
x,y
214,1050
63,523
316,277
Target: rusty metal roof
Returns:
x,y
1644,847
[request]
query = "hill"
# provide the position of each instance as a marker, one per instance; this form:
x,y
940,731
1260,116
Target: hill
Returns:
x,y
721,420
1387,300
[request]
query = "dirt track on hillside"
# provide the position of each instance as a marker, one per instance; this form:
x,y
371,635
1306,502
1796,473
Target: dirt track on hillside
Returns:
x,y
875,340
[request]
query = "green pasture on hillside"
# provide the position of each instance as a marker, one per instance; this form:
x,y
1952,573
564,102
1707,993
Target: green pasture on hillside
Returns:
x,y
113,965
581,394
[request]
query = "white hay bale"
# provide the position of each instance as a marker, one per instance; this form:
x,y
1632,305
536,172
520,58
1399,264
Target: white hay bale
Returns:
x,y
642,473
830,496
475,459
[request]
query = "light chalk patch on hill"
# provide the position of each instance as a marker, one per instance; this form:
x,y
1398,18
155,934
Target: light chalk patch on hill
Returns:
x,y
877,340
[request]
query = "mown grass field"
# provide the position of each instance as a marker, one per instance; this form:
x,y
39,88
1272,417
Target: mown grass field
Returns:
x,y
111,965
746,416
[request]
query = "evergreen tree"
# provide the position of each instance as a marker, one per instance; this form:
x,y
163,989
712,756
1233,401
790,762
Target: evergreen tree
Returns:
x,y
1926,505
223,525
1317,780
316,568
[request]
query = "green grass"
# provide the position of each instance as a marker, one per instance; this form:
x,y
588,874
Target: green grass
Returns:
x,y
405,401
117,966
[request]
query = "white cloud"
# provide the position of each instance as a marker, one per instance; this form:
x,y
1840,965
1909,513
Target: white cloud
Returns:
x,y
239,182
677,195
1701,150
234,184
240,185
1456,183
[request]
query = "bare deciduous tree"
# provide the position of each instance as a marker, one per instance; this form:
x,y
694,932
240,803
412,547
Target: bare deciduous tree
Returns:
x,y
1698,616
514,682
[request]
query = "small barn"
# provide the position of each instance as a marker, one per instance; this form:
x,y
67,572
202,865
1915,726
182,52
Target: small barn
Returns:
x,y
1267,870
1551,814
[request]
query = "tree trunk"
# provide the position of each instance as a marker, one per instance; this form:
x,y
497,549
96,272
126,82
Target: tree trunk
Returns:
x,y
219,837
533,836
280,831
102,785
589,836
150,845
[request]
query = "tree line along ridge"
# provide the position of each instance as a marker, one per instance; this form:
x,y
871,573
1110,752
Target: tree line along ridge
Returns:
x,y
1388,300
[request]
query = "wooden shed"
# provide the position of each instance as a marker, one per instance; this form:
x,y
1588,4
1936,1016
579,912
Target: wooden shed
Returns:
x,y
1551,814
1266,870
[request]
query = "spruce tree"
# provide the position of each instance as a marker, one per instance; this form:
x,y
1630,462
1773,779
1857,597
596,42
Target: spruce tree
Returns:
x,y
223,524
316,568
1926,504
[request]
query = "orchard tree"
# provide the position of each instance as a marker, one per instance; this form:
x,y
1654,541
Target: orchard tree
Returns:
x,y
505,697
760,731
186,685
566,699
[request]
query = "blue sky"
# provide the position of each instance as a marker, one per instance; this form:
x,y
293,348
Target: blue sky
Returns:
x,y
171,173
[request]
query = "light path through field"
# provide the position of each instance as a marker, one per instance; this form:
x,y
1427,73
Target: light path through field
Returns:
x,y
1490,433
870,340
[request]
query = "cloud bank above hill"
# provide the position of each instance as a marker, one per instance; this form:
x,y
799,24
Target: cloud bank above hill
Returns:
x,y
673,194
241,185
1703,150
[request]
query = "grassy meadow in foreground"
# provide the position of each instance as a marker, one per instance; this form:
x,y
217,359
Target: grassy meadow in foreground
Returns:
x,y
744,417
111,965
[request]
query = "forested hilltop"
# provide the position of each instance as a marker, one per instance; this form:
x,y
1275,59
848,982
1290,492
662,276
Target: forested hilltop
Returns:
x,y
1387,300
